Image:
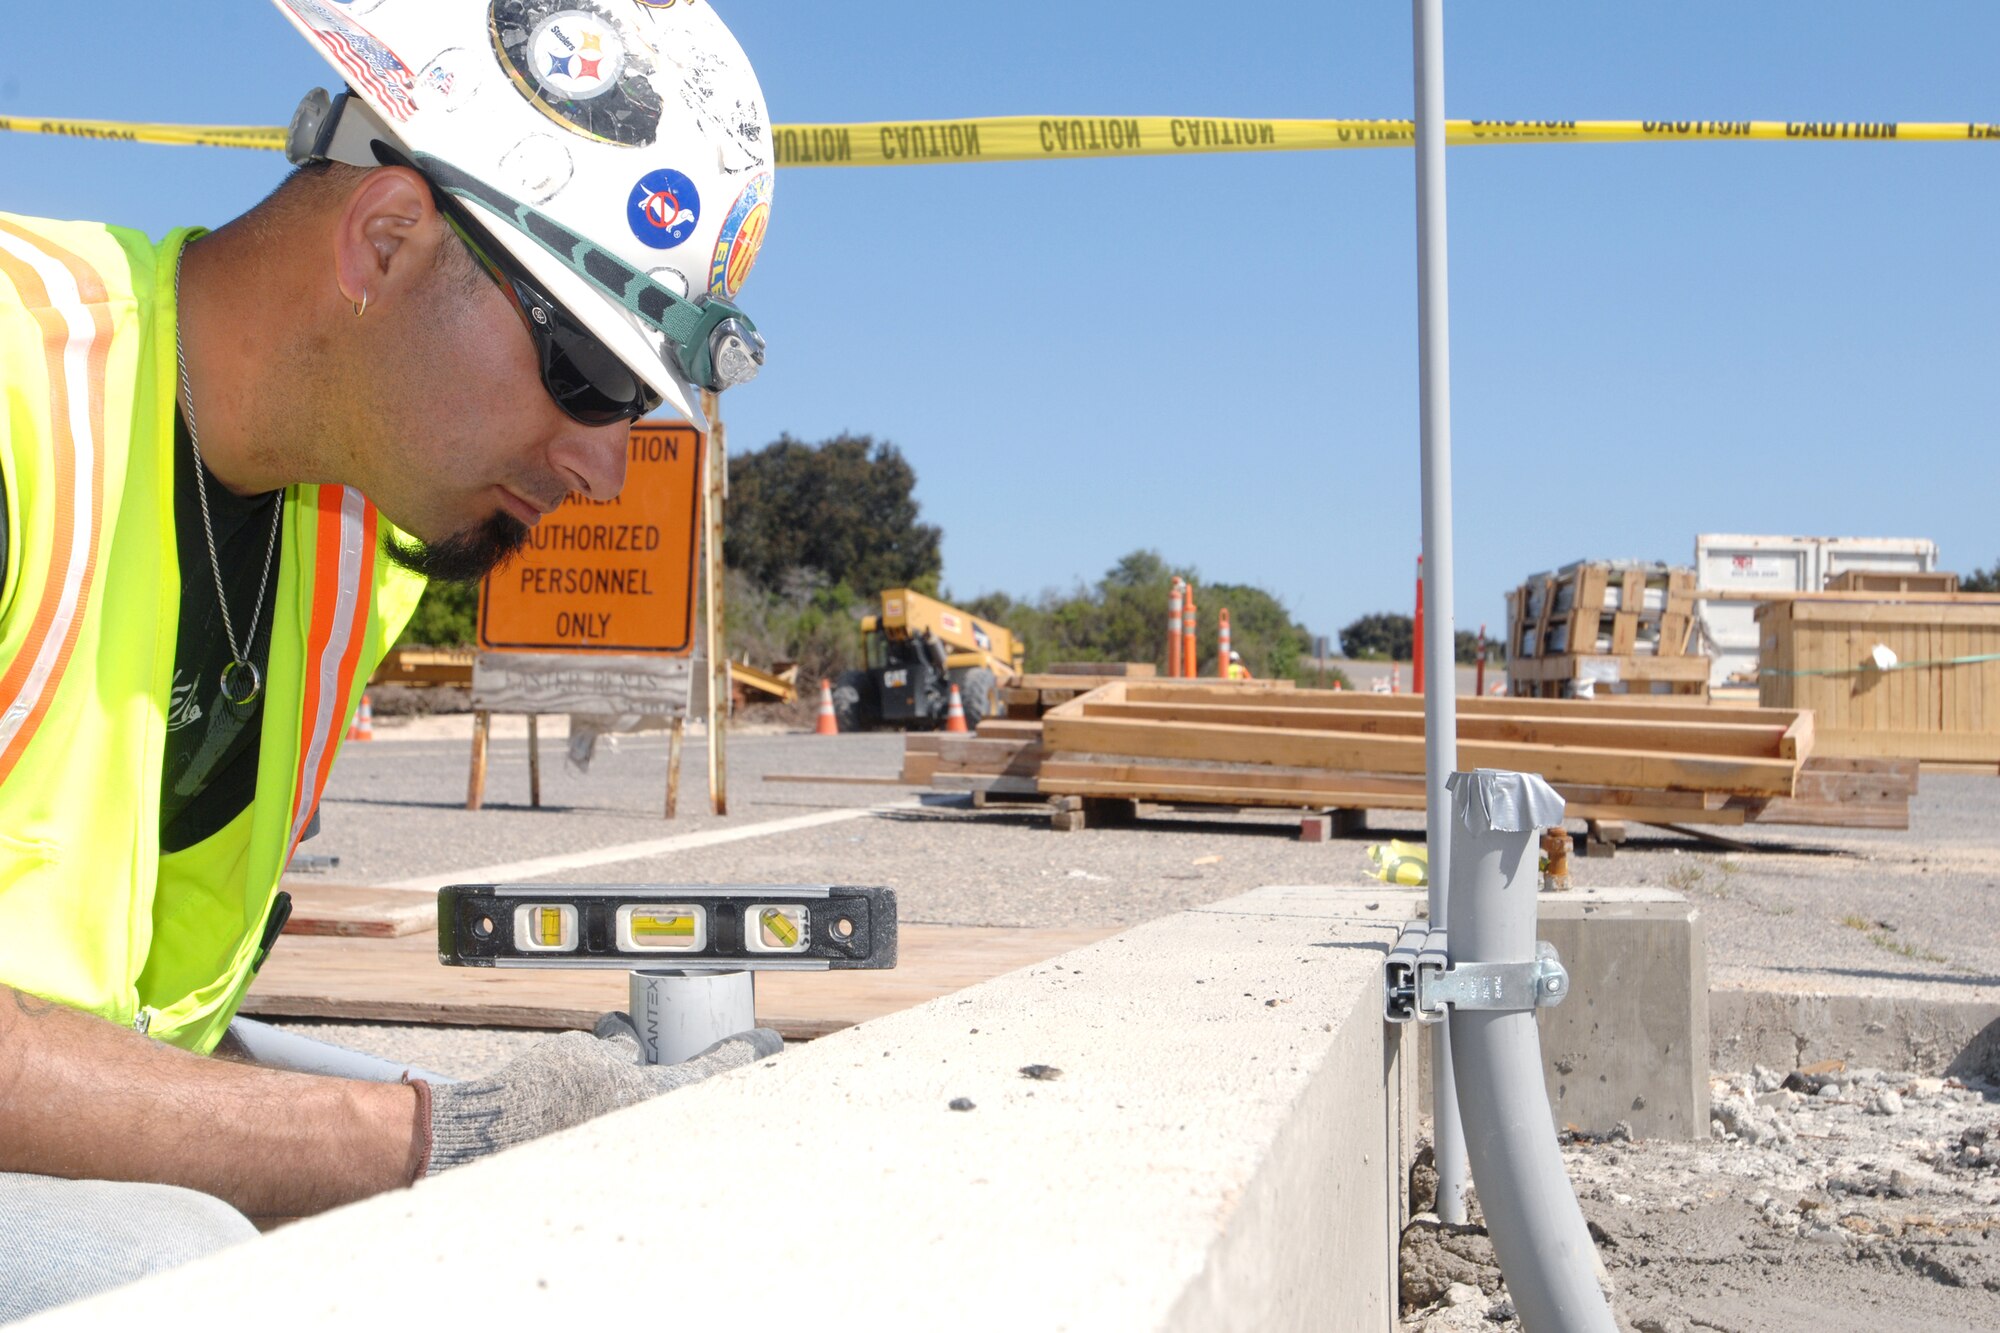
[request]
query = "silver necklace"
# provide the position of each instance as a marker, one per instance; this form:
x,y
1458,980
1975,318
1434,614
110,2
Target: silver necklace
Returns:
x,y
242,682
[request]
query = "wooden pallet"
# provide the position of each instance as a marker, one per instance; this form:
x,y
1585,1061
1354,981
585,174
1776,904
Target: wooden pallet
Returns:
x,y
1602,609
1564,676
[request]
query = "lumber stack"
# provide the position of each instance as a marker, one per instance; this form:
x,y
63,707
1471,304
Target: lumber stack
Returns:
x,y
1602,627
1938,700
1033,695
1676,764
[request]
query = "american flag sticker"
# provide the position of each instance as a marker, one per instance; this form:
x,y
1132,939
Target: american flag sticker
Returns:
x,y
369,65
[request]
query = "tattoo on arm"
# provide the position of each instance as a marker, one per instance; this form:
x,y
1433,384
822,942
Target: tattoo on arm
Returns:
x,y
34,1006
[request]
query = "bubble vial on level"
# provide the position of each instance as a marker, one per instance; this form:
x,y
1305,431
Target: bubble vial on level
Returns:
x,y
775,928
545,927
662,928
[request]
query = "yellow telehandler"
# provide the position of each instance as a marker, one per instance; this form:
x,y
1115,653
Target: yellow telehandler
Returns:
x,y
917,649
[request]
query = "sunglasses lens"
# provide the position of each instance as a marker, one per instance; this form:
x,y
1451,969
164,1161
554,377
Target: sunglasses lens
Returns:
x,y
586,380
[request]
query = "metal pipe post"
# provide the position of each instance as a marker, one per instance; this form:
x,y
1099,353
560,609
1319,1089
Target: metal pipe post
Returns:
x,y
682,1014
1441,700
1538,1231
715,489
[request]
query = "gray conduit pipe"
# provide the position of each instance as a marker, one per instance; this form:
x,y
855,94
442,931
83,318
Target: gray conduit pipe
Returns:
x,y
1538,1231
274,1048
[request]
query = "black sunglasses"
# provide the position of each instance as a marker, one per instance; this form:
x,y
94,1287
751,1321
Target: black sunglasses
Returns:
x,y
587,382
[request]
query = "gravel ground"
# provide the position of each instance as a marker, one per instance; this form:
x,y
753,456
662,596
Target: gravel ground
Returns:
x,y
1834,1200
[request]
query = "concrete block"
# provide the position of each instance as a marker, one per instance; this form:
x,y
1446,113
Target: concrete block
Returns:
x,y
1315,828
1631,1041
1224,1148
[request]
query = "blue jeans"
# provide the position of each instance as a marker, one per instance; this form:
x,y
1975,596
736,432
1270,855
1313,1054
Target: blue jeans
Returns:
x,y
62,1240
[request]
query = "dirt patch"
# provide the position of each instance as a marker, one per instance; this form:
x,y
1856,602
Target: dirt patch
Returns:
x,y
1829,1198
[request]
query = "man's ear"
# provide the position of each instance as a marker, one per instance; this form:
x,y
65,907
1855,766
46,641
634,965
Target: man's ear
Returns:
x,y
386,236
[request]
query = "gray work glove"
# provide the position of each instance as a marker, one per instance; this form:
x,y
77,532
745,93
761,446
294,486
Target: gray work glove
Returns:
x,y
561,1082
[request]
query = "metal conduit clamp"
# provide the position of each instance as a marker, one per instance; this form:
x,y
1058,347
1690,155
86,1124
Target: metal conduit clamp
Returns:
x,y
1419,979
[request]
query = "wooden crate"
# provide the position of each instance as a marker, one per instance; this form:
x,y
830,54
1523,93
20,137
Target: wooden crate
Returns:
x,y
1890,580
1934,705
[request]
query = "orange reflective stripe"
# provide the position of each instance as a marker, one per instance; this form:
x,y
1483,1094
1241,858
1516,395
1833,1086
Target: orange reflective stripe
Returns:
x,y
67,299
344,575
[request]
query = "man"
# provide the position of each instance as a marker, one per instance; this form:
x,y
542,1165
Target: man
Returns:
x,y
230,460
1237,671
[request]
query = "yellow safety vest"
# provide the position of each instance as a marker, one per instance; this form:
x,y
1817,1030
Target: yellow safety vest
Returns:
x,y
92,913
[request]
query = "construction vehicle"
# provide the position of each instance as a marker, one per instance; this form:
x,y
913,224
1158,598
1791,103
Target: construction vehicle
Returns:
x,y
917,649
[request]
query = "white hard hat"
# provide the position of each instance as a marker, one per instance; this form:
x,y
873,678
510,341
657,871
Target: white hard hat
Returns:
x,y
619,152
1235,656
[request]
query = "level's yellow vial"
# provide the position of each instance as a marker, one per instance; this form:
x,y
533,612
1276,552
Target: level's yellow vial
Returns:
x,y
545,927
776,928
662,928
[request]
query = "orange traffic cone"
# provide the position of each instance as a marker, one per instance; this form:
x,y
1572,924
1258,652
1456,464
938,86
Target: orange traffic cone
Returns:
x,y
363,726
828,724
954,716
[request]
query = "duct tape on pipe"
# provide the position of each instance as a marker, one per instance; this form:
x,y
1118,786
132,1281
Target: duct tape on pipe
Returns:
x,y
1049,138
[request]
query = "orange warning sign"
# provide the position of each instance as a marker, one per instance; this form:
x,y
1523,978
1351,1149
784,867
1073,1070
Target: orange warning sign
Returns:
x,y
612,576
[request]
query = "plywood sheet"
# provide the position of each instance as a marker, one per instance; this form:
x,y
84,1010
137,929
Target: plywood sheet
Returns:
x,y
345,909
401,980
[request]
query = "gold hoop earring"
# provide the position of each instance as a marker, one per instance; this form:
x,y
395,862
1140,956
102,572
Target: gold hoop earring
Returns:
x,y
361,306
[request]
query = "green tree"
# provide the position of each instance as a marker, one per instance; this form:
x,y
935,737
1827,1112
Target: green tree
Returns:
x,y
447,617
1982,580
1384,635
843,508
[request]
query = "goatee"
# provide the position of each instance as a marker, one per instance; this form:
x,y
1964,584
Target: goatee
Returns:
x,y
463,557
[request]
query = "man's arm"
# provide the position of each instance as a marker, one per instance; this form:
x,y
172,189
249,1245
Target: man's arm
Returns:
x,y
83,1098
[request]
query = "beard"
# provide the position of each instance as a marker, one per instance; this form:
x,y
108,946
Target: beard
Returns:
x,y
463,557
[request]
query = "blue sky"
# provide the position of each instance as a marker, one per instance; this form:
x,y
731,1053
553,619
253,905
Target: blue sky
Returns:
x,y
1216,356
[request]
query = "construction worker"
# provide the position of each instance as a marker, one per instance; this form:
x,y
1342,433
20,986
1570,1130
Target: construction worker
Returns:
x,y
230,460
1237,671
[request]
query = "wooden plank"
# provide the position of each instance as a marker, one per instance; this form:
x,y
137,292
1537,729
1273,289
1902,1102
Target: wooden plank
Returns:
x,y
400,980
358,911
1227,795
840,779
1125,670
1405,754
1006,728
1711,737
1571,666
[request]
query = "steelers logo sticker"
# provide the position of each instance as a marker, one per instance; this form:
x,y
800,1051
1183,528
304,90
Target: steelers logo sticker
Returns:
x,y
577,54
573,61
663,209
742,237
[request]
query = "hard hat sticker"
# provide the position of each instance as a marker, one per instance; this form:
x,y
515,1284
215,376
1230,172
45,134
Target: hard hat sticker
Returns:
x,y
376,72
742,237
573,61
664,208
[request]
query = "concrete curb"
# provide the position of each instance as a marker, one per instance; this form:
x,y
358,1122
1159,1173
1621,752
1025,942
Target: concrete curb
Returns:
x,y
1217,1153
1906,1034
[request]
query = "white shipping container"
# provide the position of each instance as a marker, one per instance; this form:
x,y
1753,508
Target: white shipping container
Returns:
x,y
1727,627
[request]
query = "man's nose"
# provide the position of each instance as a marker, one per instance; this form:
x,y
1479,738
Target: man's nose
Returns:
x,y
592,459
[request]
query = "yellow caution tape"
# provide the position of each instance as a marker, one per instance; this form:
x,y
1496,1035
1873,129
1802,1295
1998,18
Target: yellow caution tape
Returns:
x,y
207,136
1043,138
